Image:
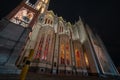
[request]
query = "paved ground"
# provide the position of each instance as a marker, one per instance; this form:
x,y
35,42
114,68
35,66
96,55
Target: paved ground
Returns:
x,y
33,76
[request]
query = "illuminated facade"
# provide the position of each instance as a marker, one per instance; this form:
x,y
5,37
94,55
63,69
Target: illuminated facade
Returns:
x,y
59,47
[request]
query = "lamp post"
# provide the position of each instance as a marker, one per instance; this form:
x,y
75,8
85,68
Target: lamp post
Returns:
x,y
26,65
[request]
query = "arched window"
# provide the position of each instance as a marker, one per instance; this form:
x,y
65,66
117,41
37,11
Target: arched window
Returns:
x,y
43,9
62,29
60,26
49,21
45,20
39,5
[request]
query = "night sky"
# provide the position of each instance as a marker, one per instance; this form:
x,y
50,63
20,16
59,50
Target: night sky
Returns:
x,y
101,15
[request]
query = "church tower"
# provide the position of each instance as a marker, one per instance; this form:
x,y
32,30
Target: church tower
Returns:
x,y
27,12
15,29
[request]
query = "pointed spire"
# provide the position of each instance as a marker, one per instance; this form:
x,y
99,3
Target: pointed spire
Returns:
x,y
80,18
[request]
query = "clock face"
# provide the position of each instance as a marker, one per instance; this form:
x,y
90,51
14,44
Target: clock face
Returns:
x,y
23,17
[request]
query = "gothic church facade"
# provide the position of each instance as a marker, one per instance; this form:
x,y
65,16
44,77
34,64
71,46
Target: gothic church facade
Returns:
x,y
59,46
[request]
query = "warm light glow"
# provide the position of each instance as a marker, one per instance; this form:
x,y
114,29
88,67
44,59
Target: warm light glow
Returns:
x,y
46,1
67,54
39,51
42,10
67,57
44,57
38,6
77,55
43,0
86,59
62,60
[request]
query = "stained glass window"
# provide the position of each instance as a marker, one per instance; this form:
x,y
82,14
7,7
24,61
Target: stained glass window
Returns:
x,y
67,54
44,57
86,60
39,52
62,54
77,57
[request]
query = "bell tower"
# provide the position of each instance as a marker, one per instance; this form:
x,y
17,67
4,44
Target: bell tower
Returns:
x,y
27,12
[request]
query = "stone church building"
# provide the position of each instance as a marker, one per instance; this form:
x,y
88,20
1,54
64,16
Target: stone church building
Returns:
x,y
59,47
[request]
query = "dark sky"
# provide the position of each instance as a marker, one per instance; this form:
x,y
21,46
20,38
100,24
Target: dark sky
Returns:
x,y
100,15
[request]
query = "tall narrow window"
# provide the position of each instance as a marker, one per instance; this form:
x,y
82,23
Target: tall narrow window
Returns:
x,y
42,10
38,5
77,57
62,54
86,60
70,34
45,54
39,52
51,22
45,20
67,54
62,29
48,21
